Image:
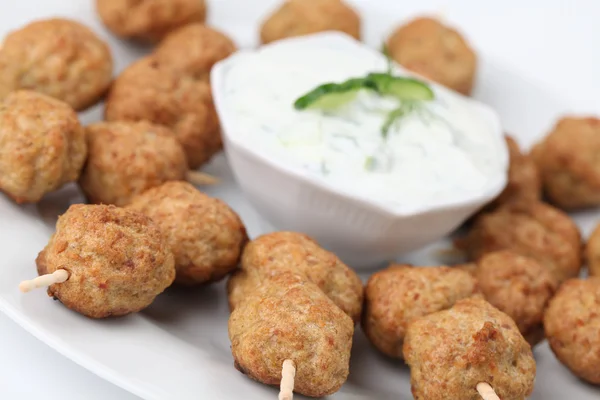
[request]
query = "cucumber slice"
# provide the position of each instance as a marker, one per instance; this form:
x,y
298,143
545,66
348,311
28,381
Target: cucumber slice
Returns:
x,y
400,87
333,95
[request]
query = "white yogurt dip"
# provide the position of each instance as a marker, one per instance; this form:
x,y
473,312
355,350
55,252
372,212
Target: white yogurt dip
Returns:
x,y
452,150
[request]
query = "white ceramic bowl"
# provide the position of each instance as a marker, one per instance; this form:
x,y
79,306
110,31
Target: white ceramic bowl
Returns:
x,y
363,233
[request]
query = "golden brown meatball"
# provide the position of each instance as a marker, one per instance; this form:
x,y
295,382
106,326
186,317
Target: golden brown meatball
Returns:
x,y
205,234
194,49
470,267
567,160
127,158
518,286
118,261
42,145
57,57
289,251
287,317
451,351
438,52
572,324
396,296
153,91
149,20
532,229
300,17
592,252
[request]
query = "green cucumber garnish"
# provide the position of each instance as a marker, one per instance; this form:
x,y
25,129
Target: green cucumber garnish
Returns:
x,y
401,88
333,95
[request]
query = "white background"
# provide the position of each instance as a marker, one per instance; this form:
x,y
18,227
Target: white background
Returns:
x,y
553,42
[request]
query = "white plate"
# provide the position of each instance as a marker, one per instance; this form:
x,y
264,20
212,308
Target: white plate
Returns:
x,y
178,348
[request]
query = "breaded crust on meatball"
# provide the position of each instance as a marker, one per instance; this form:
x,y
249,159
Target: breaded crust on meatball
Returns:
x,y
290,251
288,317
396,296
58,57
572,324
118,261
592,252
42,145
300,17
153,91
518,286
451,351
194,49
532,229
438,52
127,158
568,162
149,20
205,234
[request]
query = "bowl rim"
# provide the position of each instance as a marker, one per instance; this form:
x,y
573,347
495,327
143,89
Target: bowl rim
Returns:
x,y
217,78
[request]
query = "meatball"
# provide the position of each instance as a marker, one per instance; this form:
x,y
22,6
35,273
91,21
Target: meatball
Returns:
x,y
289,251
149,20
398,295
568,164
153,91
300,17
42,145
438,52
518,286
58,57
127,158
205,234
287,317
194,49
532,229
117,261
470,267
572,324
592,252
451,351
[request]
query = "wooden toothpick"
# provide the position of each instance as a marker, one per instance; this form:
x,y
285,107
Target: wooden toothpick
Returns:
x,y
288,373
200,178
58,276
486,391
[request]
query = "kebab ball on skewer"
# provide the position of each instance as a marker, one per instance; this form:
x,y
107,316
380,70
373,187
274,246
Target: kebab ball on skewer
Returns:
x,y
396,296
533,229
299,17
149,20
298,253
42,145
518,286
58,57
438,52
116,261
127,158
205,234
568,163
572,324
451,353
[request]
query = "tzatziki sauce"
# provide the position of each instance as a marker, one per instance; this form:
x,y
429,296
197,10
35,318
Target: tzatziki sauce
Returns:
x,y
450,150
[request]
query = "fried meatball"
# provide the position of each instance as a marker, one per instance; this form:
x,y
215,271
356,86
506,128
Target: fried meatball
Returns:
x,y
568,163
58,57
470,267
572,324
117,260
205,234
289,251
194,49
300,17
396,296
127,158
438,52
518,286
532,229
288,317
149,20
153,91
451,351
592,252
42,145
